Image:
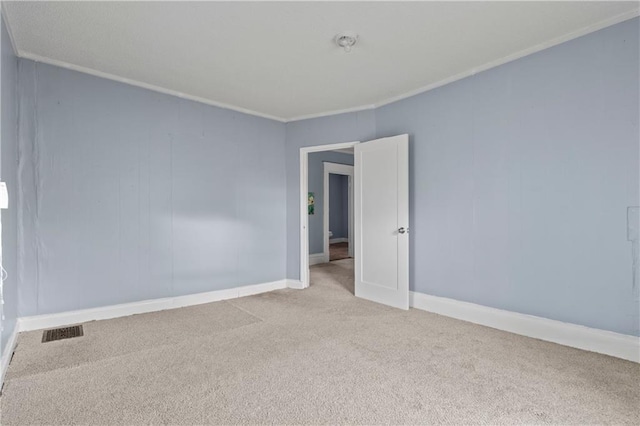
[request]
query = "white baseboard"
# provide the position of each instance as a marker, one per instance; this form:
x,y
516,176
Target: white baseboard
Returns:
x,y
317,258
338,240
7,353
295,284
577,336
114,311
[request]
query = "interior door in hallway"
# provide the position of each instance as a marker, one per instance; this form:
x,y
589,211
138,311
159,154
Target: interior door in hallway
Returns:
x,y
382,221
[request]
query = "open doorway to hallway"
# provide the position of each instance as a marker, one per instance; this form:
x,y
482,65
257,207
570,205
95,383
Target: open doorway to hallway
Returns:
x,y
330,215
380,195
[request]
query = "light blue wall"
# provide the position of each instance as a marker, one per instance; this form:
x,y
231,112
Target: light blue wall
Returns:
x,y
316,185
356,126
133,195
520,178
9,156
339,205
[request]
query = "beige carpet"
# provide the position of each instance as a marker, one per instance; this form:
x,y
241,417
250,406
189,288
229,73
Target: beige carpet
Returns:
x,y
311,356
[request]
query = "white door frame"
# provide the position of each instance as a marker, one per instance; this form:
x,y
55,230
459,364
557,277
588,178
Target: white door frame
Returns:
x,y
304,215
336,169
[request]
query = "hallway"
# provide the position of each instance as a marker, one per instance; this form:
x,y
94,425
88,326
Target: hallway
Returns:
x,y
338,251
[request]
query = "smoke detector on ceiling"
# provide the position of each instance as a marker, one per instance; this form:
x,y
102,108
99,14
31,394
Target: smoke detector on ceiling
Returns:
x,y
346,40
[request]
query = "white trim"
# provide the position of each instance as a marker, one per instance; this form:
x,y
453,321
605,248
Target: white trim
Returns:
x,y
317,258
115,311
509,58
329,113
12,39
492,64
7,353
136,83
338,240
329,147
295,284
304,215
573,335
506,59
337,169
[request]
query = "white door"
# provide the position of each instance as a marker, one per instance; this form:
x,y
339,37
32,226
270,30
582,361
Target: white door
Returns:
x,y
382,220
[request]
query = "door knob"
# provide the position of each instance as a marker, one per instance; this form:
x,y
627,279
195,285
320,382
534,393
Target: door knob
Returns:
x,y
402,230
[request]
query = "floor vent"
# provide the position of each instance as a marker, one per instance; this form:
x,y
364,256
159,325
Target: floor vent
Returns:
x,y
62,333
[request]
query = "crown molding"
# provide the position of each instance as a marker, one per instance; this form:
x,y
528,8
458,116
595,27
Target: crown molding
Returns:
x,y
333,112
136,83
5,20
367,107
509,58
470,72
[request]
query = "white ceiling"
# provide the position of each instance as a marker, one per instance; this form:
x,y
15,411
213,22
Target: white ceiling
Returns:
x,y
278,59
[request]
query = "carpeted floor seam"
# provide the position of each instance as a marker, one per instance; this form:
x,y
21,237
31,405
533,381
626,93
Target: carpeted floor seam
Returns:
x,y
230,302
106,358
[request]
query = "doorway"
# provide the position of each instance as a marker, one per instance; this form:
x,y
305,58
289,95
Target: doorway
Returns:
x,y
380,227
314,241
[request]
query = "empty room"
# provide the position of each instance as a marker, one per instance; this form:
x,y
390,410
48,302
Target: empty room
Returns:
x,y
320,212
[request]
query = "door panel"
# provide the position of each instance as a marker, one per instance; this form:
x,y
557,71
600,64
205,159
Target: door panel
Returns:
x,y
381,209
